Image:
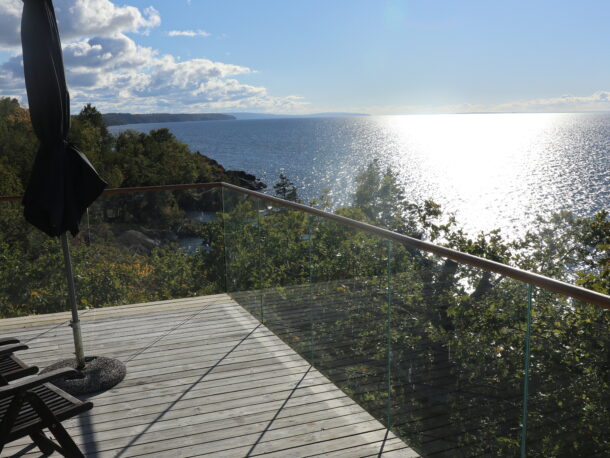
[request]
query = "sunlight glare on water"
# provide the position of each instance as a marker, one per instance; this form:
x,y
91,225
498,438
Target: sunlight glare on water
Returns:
x,y
479,164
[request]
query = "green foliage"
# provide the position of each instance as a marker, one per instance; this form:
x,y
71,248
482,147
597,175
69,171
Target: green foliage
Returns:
x,y
154,159
595,252
10,184
176,274
381,199
18,144
92,116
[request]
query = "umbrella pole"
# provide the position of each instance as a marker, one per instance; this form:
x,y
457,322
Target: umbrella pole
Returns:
x,y
75,323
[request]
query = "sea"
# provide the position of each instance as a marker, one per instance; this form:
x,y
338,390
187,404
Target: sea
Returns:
x,y
492,171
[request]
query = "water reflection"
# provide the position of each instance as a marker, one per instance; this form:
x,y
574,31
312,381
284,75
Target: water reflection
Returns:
x,y
499,170
480,166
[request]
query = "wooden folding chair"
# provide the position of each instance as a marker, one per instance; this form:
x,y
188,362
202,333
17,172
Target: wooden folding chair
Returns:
x,y
11,367
30,405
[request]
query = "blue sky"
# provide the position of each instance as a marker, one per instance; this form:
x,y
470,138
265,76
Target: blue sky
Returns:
x,y
374,56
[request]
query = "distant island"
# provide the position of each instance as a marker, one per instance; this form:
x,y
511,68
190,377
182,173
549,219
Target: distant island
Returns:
x,y
118,119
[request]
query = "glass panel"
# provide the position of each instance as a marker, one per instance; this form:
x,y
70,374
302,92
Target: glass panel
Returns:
x,y
145,247
243,249
284,270
569,408
150,246
350,310
268,265
131,248
457,357
32,275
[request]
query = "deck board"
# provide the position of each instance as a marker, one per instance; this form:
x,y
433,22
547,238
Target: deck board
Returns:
x,y
204,378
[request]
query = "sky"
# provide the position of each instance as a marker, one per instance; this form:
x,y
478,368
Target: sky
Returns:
x,y
365,56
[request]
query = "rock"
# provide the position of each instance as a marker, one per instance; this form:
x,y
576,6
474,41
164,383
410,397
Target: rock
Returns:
x,y
245,180
169,236
237,177
137,242
160,236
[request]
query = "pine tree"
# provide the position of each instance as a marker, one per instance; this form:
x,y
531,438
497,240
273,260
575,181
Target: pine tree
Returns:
x,y
286,189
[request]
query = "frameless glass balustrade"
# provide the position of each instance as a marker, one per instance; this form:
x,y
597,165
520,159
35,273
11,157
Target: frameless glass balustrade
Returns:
x,y
453,358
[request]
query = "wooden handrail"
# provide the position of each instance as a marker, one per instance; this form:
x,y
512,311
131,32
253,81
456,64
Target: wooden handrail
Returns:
x,y
566,289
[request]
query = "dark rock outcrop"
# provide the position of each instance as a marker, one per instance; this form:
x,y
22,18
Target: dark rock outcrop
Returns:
x,y
236,177
245,180
137,242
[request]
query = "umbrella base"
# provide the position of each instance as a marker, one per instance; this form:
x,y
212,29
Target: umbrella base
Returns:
x,y
100,373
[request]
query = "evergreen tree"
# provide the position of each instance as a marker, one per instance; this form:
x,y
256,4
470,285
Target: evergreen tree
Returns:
x,y
286,189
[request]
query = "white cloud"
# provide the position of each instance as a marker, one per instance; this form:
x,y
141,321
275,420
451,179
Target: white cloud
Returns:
x,y
11,75
598,101
78,19
10,19
82,18
106,54
109,69
188,33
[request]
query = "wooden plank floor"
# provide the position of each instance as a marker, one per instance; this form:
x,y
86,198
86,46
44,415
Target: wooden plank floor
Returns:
x,y
204,378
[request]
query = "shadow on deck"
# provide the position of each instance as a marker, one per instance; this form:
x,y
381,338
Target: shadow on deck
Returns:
x,y
204,378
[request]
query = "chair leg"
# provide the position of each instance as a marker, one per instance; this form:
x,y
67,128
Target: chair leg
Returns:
x,y
9,419
67,446
45,444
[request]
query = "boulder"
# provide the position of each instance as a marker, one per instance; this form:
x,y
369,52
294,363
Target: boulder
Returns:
x,y
245,180
137,242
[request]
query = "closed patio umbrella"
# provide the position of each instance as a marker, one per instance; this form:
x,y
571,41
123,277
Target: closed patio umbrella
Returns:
x,y
63,183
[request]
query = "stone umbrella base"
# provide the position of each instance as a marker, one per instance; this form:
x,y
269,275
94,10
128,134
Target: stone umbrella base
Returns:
x,y
100,373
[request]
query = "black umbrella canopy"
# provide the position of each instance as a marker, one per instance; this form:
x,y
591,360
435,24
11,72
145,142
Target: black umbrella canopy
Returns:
x,y
63,183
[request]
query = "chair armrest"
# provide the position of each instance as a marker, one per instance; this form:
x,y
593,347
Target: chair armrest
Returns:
x,y
31,382
8,349
8,340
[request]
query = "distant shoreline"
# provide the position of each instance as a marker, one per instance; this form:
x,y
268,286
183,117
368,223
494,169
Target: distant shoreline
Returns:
x,y
121,119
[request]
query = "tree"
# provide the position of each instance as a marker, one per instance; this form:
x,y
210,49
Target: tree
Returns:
x,y
286,189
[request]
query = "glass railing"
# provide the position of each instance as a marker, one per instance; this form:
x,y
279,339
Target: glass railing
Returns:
x,y
453,358
132,248
569,378
151,246
32,277
456,355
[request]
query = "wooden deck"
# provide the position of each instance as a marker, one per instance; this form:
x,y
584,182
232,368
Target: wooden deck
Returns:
x,y
204,378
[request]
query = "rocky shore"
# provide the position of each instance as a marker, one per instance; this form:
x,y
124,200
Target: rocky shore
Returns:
x,y
237,177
